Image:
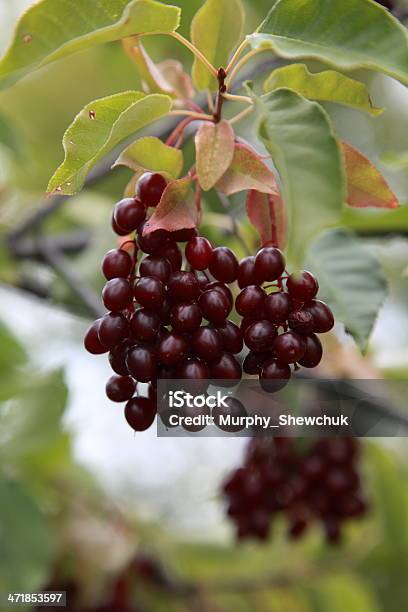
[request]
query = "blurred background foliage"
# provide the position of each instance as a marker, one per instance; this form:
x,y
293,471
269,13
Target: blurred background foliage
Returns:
x,y
88,507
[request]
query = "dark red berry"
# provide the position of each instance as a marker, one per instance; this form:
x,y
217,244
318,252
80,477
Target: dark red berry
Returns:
x,y
129,214
302,286
149,292
183,287
145,325
172,349
235,410
231,335
214,306
224,289
185,318
269,264
260,336
120,388
254,361
172,253
277,307
153,241
117,294
199,253
313,353
193,369
113,329
322,316
155,266
91,341
184,235
227,368
289,347
150,188
274,375
118,230
118,356
207,344
117,264
250,301
301,322
246,272
141,362
140,413
224,265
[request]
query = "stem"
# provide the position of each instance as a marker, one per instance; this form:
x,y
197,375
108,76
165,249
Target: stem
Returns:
x,y
210,101
200,56
235,229
244,60
235,98
247,111
236,55
193,115
179,131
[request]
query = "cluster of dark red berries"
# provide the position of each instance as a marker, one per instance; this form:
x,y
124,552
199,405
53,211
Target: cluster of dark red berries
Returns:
x,y
282,477
291,308
154,328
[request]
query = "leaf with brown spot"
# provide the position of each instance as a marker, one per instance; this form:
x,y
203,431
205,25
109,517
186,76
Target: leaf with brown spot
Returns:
x,y
214,152
247,171
177,208
366,186
268,214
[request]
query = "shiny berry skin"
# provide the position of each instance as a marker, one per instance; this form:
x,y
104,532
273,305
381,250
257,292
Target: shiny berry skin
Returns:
x,y
158,267
120,388
140,413
277,307
153,241
117,263
183,287
302,286
172,349
226,368
313,354
289,347
254,361
224,265
113,329
234,409
119,231
206,344
141,362
322,316
199,253
260,335
193,369
150,188
117,294
118,356
172,253
231,335
246,272
214,306
149,292
269,264
185,318
145,325
274,375
184,235
223,288
128,214
91,341
301,322
250,301
164,311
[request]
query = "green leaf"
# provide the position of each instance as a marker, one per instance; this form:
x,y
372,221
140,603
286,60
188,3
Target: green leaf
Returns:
x,y
247,171
214,144
370,220
347,34
177,208
327,86
150,74
25,540
151,154
215,30
51,30
341,592
298,135
351,282
99,127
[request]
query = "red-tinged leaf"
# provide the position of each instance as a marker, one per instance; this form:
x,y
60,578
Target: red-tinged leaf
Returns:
x,y
152,78
174,74
247,171
268,214
214,151
177,208
366,185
